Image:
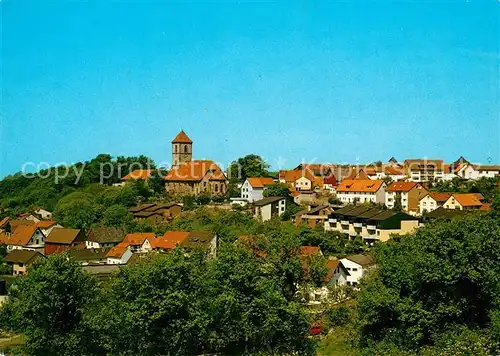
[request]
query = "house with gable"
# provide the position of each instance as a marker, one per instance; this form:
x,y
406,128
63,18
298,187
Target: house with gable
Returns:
x,y
46,226
103,236
432,201
62,239
357,266
265,209
356,191
20,260
253,188
26,237
408,194
464,201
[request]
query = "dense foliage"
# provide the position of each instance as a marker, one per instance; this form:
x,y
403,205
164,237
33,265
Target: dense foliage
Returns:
x,y
443,279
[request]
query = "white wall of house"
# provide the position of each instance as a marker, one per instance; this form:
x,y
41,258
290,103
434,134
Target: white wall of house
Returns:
x,y
250,193
119,260
470,172
361,197
46,215
265,212
355,270
92,244
303,184
428,204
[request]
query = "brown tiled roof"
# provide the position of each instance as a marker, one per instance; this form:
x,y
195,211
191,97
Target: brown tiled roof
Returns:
x,y
414,164
117,251
487,168
260,182
45,224
485,207
138,238
171,239
439,197
358,185
182,138
393,171
331,266
22,256
4,239
197,239
15,223
103,234
141,207
309,250
22,235
362,260
196,171
61,235
360,175
467,199
293,175
87,254
401,186
143,174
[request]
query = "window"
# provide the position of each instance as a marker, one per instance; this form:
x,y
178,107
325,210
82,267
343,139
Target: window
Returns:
x,y
354,269
185,148
176,148
354,283
216,187
21,265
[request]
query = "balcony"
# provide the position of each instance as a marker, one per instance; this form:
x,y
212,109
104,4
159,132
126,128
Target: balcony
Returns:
x,y
371,227
344,222
358,224
332,221
371,237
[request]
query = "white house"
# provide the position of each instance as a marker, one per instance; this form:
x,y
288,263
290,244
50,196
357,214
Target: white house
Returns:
x,y
139,242
27,237
337,273
470,171
432,201
253,188
361,190
44,214
266,208
357,266
118,255
46,226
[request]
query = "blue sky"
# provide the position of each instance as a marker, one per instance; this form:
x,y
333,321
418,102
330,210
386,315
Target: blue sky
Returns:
x,y
334,82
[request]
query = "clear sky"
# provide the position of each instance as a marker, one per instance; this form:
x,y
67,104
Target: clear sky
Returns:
x,y
309,80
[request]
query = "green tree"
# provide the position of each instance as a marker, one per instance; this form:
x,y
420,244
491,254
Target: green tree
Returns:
x,y
48,306
249,166
277,190
117,215
77,210
426,283
157,183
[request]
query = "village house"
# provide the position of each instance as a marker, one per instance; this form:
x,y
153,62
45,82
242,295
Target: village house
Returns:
x,y
357,266
424,170
43,214
313,217
26,237
46,226
139,242
187,241
62,239
408,194
253,188
269,207
464,201
337,273
188,177
432,201
371,224
104,237
361,190
471,171
297,180
4,223
330,184
119,255
20,260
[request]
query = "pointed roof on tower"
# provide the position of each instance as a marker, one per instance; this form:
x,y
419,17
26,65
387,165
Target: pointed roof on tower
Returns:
x,y
182,138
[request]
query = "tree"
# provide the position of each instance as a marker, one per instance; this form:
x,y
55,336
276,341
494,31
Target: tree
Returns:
x,y
277,190
426,284
77,210
48,306
248,166
157,183
117,215
141,189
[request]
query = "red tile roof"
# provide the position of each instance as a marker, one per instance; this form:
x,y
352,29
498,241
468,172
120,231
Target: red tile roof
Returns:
x,y
4,221
45,224
293,175
182,138
360,175
196,171
260,182
358,185
392,171
143,174
171,239
440,197
485,207
467,199
117,251
137,238
330,180
22,235
401,186
4,239
309,250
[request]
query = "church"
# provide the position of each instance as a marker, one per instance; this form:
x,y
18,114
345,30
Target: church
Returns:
x,y
193,177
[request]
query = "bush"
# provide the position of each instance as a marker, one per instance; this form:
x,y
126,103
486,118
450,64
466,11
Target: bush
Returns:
x,y
338,316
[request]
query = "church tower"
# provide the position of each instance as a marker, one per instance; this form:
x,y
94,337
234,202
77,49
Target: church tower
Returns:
x,y
182,149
